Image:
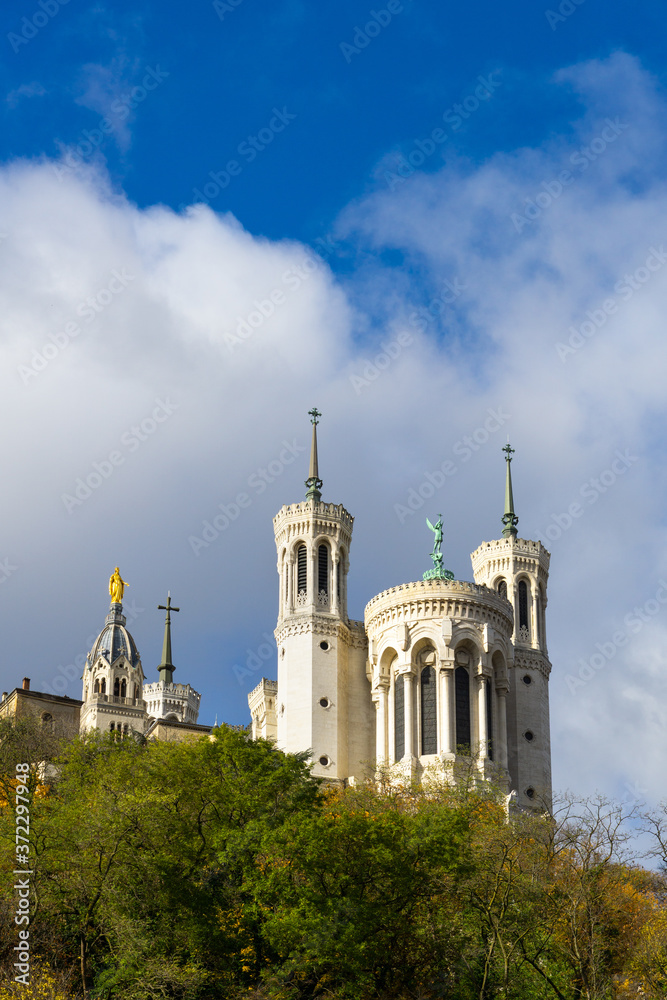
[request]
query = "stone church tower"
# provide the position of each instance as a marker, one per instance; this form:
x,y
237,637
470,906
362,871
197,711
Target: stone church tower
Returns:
x,y
322,700
116,698
164,698
518,570
113,680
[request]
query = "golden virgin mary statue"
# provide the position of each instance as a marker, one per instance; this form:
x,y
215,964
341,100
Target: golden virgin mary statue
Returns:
x,y
117,586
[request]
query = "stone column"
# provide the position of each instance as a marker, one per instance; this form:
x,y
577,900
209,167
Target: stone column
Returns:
x,y
289,596
502,726
380,699
334,595
391,756
536,630
447,719
408,690
482,736
342,610
312,577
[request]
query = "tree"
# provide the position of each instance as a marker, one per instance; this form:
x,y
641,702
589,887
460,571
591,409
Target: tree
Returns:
x,y
145,850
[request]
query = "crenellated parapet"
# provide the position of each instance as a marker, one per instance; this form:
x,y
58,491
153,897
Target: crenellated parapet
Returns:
x,y
505,556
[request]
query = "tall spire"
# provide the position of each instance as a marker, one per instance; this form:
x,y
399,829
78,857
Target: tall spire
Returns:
x,y
510,520
167,668
314,483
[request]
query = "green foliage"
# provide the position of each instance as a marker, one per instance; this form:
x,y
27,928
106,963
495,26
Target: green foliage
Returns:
x,y
221,869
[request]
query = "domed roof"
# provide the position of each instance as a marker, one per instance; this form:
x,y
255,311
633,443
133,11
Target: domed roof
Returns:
x,y
114,640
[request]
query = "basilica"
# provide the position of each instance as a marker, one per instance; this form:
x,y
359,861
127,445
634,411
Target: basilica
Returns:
x,y
439,672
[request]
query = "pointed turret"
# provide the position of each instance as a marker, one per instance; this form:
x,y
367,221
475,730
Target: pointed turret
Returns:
x,y
518,570
314,483
165,699
510,520
167,668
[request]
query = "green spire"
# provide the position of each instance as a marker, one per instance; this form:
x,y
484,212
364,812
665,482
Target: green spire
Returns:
x,y
167,668
510,520
314,483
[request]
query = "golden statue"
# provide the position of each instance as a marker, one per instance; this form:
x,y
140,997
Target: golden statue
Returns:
x,y
116,586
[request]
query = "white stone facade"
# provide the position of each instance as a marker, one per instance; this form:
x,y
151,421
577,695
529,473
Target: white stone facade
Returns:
x,y
177,702
441,673
438,657
323,697
113,680
262,702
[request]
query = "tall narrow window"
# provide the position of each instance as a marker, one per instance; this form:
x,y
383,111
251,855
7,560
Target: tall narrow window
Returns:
x,y
116,688
429,730
502,588
523,604
323,569
123,688
462,692
489,719
103,686
112,726
399,717
96,687
301,569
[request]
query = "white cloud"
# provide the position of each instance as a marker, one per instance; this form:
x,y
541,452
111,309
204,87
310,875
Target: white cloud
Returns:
x,y
191,283
34,89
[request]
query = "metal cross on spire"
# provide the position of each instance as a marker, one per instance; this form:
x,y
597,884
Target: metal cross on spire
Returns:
x,y
167,668
510,520
314,483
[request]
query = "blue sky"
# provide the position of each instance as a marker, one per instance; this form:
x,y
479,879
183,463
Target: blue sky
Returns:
x,y
482,190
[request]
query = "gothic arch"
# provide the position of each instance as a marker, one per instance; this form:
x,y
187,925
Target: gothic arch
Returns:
x,y
386,660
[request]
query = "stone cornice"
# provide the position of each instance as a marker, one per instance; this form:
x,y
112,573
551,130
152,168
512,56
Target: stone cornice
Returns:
x,y
531,659
469,603
352,633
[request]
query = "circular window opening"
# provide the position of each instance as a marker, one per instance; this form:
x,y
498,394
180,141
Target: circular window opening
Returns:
x,y
324,702
528,736
324,645
527,679
530,793
324,760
